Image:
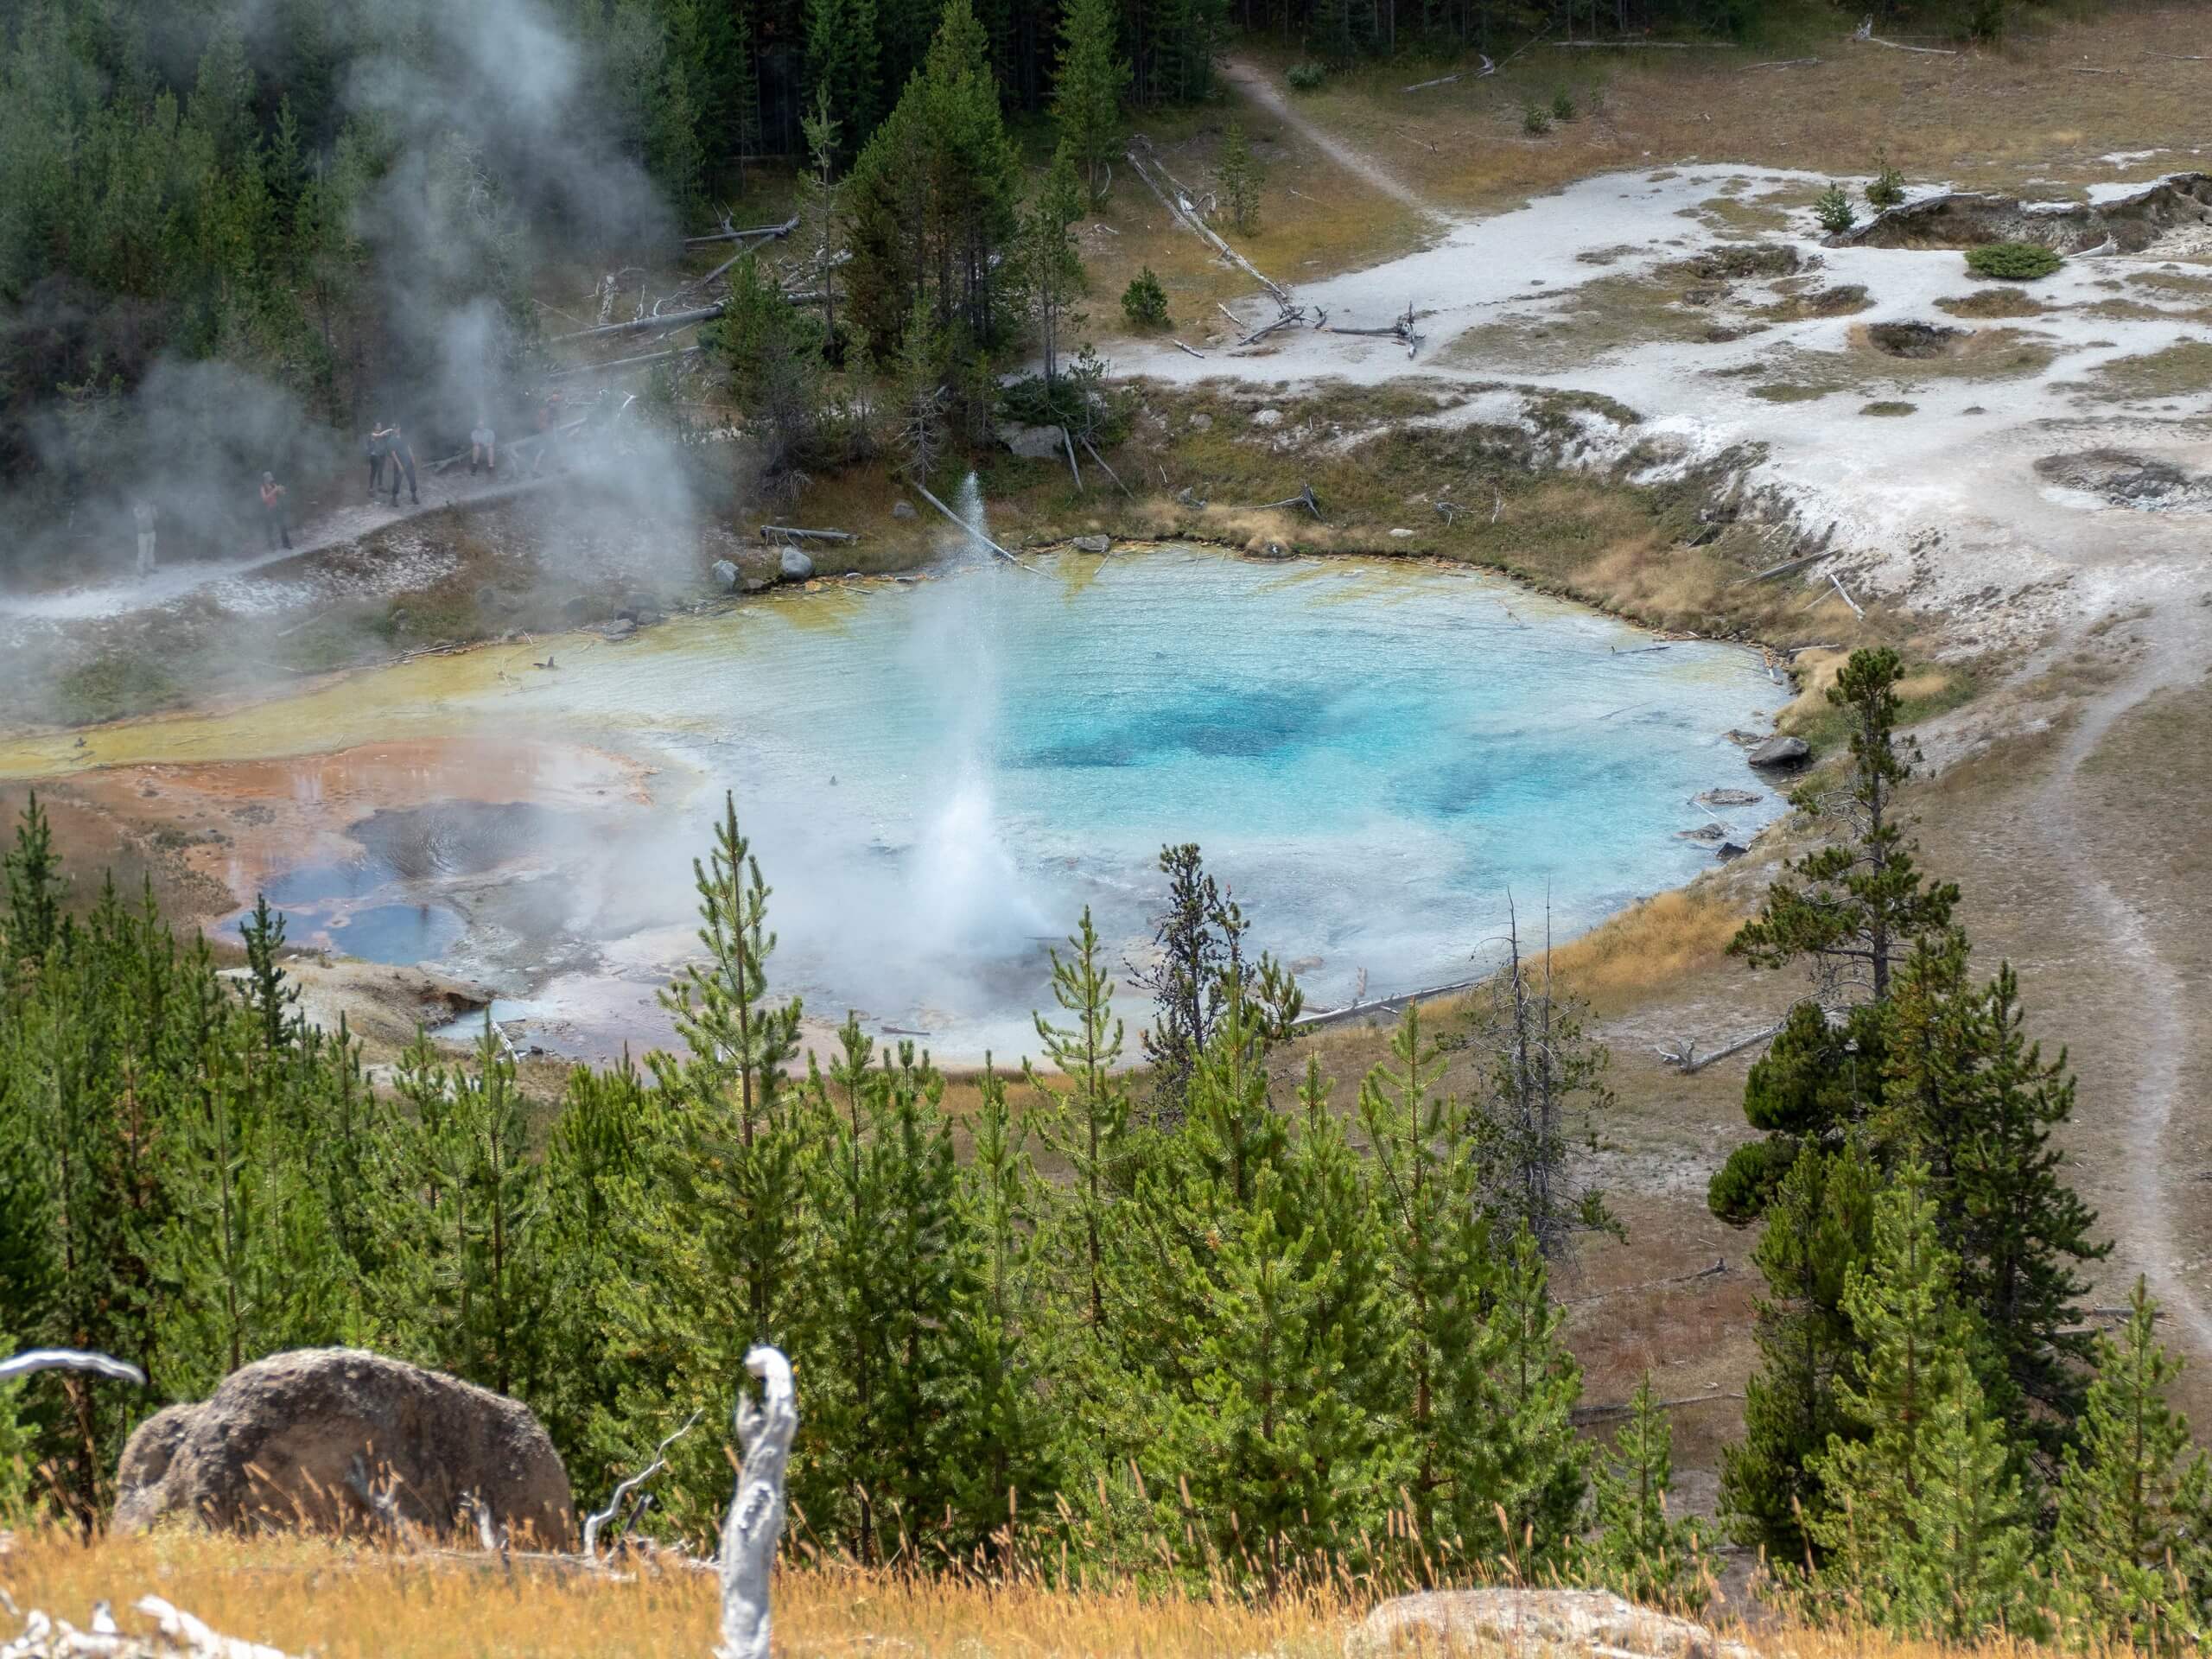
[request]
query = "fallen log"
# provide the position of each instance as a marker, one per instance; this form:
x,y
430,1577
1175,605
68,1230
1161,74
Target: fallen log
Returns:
x,y
1186,351
622,363
1780,63
1110,472
728,234
1487,68
1866,32
670,320
1842,593
1583,1415
1782,569
1067,440
1142,158
1303,498
794,532
1689,1063
923,491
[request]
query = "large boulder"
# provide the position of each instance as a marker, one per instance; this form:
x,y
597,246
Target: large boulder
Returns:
x,y
1779,753
726,576
795,565
1534,1621
336,1440
1033,442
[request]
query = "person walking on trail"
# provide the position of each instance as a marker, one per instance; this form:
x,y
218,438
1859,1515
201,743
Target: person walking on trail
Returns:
x,y
483,448
142,513
275,517
403,458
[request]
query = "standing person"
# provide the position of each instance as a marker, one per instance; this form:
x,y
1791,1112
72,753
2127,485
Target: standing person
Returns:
x,y
275,517
403,458
548,415
375,445
143,512
483,447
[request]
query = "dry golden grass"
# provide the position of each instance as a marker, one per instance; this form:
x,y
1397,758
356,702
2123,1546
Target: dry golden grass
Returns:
x,y
1657,944
344,1602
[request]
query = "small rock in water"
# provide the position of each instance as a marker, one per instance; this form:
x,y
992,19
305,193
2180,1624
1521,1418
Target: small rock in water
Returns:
x,y
795,565
1093,543
1270,551
1727,850
724,575
1780,752
903,509
1703,832
1729,798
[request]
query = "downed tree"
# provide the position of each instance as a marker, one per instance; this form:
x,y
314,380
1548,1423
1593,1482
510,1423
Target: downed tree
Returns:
x,y
922,490
1303,498
667,320
1178,201
792,532
622,363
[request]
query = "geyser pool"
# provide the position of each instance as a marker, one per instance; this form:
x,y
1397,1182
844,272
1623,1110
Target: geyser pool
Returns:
x,y
939,775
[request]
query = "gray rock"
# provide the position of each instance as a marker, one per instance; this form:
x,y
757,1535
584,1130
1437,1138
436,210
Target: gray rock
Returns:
x,y
1033,442
1267,417
1189,498
1093,543
287,1440
1703,832
1201,423
1729,798
1728,850
795,565
1780,752
620,627
726,576
1563,1621
1401,535
1269,550
904,510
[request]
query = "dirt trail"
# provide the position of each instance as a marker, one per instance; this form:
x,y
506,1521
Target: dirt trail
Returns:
x,y
338,526
2144,1227
1253,82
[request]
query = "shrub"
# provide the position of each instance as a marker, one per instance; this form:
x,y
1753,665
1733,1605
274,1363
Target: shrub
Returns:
x,y
1535,119
2012,262
1306,77
1562,105
1144,302
1833,209
1886,188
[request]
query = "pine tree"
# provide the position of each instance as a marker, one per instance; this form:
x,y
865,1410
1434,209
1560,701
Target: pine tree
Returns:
x,y
1238,175
1051,263
917,396
2133,1552
1819,1229
1087,93
1088,1123
1002,1443
33,887
1440,1263
1923,1528
273,1002
1854,908
1815,1082
1640,1550
1535,1471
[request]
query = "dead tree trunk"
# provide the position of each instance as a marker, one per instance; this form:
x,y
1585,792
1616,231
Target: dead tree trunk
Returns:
x,y
756,1509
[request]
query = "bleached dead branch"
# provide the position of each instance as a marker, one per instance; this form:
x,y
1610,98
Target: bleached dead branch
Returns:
x,y
594,1522
756,1509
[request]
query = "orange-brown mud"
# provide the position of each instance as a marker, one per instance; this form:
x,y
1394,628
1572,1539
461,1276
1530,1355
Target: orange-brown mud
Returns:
x,y
223,829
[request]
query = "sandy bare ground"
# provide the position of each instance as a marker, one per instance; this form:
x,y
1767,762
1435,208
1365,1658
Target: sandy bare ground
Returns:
x,y
1942,508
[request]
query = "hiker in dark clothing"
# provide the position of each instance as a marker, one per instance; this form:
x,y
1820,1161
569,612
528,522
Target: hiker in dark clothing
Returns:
x,y
275,517
374,444
548,432
402,457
